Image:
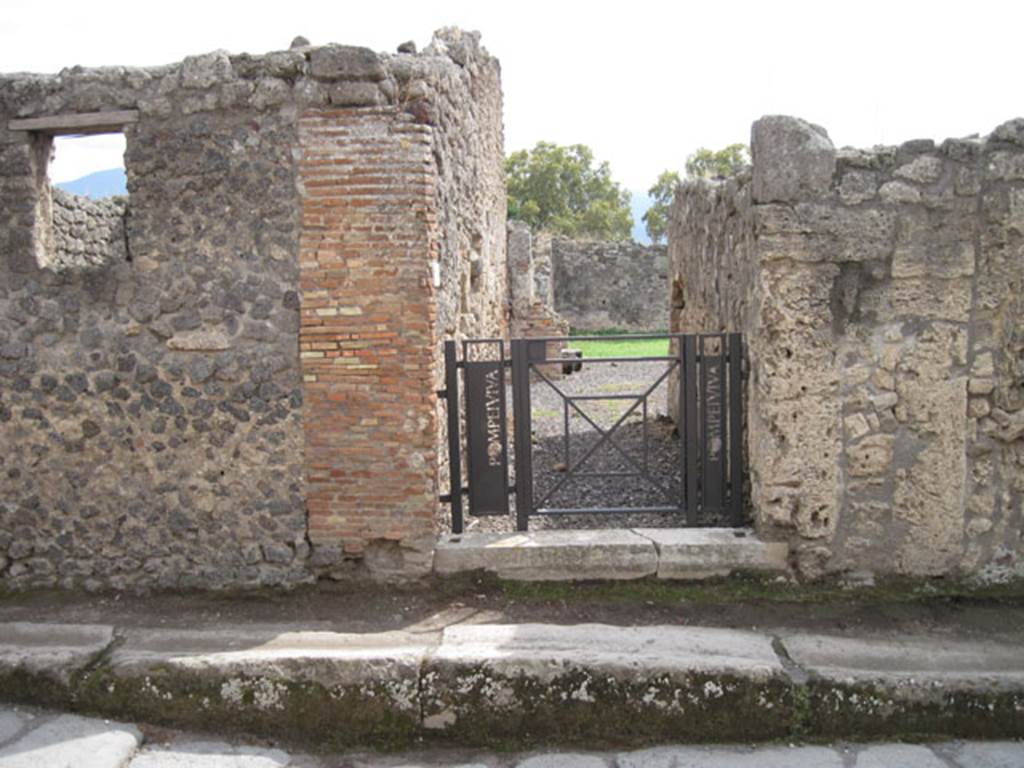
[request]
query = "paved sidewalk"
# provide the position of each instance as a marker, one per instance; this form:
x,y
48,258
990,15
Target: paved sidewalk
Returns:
x,y
35,739
476,685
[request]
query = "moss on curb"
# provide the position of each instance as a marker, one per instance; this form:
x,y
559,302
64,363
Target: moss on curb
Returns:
x,y
861,712
293,711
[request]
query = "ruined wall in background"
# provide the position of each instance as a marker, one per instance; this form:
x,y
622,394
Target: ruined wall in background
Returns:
x,y
87,232
530,289
881,302
160,427
598,285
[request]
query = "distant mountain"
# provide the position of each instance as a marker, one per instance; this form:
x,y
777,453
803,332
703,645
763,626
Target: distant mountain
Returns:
x,y
641,202
96,185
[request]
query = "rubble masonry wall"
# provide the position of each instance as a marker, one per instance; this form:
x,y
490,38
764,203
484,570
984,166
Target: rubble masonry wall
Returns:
x,y
880,293
159,425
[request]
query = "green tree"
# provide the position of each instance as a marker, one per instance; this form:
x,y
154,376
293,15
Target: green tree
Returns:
x,y
707,164
562,190
663,191
702,164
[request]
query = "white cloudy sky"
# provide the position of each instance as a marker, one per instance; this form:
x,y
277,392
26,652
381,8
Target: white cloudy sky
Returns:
x,y
643,83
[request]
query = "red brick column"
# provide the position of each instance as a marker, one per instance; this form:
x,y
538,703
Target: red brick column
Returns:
x,y
368,337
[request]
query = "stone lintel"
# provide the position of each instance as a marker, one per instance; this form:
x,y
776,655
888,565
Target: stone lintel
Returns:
x,y
83,122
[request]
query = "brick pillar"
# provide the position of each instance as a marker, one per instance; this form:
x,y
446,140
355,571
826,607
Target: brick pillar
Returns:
x,y
368,337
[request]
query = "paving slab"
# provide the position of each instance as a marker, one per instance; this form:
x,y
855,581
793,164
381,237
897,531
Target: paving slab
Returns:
x,y
53,650
291,685
698,553
732,757
550,555
563,760
73,742
987,754
12,723
210,754
594,683
883,687
915,660
901,755
330,658
543,650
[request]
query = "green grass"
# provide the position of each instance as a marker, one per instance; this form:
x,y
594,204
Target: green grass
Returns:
x,y
643,348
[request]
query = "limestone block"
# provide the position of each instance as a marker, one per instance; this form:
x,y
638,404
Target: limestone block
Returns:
x,y
979,526
899,192
1005,166
965,182
346,62
980,386
925,169
885,400
1012,131
856,426
550,555
883,379
917,297
355,95
200,340
200,72
699,553
978,407
1015,219
930,496
858,186
793,159
935,245
871,456
816,232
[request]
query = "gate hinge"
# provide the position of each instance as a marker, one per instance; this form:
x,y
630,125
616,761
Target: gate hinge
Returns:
x,y
441,393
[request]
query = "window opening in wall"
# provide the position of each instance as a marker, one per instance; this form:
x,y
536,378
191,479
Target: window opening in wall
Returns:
x,y
91,166
84,201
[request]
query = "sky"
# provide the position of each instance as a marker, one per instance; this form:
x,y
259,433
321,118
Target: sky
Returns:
x,y
642,83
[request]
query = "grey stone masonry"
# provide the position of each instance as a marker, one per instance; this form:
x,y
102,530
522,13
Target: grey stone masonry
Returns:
x,y
881,293
599,285
151,391
87,233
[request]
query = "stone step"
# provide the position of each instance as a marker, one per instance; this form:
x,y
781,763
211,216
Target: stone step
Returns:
x,y
667,553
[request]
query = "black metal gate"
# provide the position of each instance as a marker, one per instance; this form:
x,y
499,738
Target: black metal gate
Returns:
x,y
708,381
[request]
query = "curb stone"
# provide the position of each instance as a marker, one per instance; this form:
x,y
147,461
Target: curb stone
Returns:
x,y
520,685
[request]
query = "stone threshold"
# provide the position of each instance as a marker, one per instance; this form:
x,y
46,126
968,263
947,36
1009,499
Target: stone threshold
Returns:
x,y
519,684
634,553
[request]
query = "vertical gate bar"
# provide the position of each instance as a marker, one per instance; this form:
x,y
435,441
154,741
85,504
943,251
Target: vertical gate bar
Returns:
x,y
523,448
451,387
736,428
723,426
712,430
702,430
565,416
645,433
688,405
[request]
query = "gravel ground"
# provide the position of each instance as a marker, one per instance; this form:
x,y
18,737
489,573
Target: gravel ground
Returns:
x,y
552,486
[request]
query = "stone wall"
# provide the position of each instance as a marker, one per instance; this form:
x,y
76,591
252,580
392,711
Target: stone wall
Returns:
x,y
880,294
160,427
87,232
598,285
530,289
